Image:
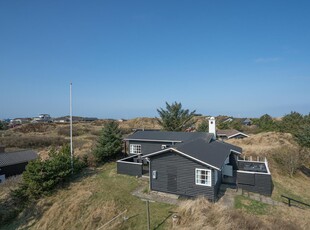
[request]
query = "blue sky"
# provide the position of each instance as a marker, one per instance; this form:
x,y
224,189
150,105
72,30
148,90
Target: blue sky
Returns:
x,y
127,58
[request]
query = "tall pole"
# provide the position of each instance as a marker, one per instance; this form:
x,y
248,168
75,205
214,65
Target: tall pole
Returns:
x,y
71,145
148,215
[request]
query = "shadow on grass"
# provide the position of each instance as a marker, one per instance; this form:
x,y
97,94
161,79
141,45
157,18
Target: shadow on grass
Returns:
x,y
161,223
27,217
305,171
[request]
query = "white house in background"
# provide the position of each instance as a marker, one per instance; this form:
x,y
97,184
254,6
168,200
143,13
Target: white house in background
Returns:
x,y
230,133
42,118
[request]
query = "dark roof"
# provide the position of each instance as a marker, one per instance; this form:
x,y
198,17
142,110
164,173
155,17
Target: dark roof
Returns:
x,y
229,132
212,153
12,158
247,120
168,136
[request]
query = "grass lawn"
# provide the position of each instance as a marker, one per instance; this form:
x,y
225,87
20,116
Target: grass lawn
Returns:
x,y
251,206
90,201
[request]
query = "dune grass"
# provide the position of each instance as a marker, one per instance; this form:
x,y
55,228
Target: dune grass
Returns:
x,y
90,201
251,206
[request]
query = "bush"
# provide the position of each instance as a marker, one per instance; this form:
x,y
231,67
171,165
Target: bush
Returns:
x,y
32,141
3,125
35,127
291,122
76,131
203,126
266,123
109,143
41,177
289,159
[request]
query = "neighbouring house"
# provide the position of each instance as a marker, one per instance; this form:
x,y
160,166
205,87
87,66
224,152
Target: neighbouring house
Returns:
x,y
247,122
61,120
14,163
89,119
19,121
191,163
229,119
42,118
230,133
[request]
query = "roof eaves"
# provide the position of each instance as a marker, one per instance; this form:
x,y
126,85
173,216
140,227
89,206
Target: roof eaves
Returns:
x,y
236,134
184,154
153,140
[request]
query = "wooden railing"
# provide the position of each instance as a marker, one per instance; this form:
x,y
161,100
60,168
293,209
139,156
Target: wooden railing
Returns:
x,y
289,201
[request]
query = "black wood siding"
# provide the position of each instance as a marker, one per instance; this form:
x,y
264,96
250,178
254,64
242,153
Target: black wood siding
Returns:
x,y
129,169
149,147
176,174
12,170
257,183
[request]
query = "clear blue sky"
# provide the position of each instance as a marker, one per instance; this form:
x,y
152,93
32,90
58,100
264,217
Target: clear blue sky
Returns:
x,y
126,58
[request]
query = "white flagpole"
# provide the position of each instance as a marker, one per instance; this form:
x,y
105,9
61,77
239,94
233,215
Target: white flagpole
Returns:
x,y
71,145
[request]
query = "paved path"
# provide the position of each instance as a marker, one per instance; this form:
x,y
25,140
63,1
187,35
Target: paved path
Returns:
x,y
156,196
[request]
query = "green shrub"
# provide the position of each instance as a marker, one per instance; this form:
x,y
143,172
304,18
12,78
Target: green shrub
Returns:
x,y
109,143
41,177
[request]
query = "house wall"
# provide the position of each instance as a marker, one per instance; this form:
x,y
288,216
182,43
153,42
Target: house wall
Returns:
x,y
148,147
233,161
128,168
254,182
176,174
12,170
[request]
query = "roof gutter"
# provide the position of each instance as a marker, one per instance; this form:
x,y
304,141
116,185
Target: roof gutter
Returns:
x,y
182,153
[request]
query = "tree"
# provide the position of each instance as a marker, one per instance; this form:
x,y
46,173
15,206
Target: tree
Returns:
x,y
174,118
109,143
203,126
42,176
289,159
3,125
266,123
291,122
302,136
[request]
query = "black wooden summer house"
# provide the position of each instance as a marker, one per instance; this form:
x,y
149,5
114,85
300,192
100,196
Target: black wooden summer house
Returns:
x,y
192,163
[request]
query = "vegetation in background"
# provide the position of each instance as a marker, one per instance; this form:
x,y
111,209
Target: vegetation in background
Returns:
x,y
109,143
266,124
175,118
291,123
289,159
203,126
223,125
3,125
32,141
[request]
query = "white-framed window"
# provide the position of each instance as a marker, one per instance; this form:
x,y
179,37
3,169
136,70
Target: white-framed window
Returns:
x,y
203,177
135,148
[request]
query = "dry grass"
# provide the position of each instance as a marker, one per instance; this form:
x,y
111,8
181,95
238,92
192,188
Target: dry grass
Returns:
x,y
91,201
9,184
201,214
263,144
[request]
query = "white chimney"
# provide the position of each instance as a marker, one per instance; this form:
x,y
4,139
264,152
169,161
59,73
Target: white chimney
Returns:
x,y
212,127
